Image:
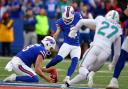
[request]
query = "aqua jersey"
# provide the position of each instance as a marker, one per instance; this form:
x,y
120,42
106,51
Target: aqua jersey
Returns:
x,y
29,54
66,29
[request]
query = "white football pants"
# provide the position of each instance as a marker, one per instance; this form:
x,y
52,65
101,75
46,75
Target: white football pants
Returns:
x,y
65,49
94,58
18,66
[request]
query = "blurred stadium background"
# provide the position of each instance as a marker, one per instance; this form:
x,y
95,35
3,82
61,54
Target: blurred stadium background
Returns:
x,y
25,29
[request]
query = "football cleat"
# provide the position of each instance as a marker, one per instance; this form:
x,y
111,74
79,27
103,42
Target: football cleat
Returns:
x,y
11,78
67,78
113,84
65,86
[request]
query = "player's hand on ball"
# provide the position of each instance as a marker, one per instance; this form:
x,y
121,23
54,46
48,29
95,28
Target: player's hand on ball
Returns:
x,y
50,80
73,32
53,73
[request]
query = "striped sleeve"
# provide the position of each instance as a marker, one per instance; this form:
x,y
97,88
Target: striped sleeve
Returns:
x,y
43,54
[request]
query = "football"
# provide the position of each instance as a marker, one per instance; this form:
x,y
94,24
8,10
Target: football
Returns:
x,y
54,74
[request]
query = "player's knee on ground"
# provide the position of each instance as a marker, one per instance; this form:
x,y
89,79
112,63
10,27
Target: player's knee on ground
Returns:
x,y
27,78
84,72
35,79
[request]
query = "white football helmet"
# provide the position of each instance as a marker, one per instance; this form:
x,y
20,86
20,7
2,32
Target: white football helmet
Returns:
x,y
49,43
112,16
68,14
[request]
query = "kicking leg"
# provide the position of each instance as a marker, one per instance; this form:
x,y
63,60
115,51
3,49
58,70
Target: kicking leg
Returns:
x,y
63,52
54,61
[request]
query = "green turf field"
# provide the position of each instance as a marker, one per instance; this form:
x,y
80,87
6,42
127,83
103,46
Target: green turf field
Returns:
x,y
101,78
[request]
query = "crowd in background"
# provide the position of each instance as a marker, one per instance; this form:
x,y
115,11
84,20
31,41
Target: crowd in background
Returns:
x,y
39,17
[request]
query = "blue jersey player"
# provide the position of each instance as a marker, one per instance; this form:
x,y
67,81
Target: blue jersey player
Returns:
x,y
32,54
120,63
70,45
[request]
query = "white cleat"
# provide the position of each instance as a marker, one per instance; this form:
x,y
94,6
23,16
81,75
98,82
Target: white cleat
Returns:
x,y
67,78
113,84
90,79
11,78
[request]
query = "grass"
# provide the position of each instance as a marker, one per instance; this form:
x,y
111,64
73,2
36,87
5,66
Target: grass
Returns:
x,y
101,78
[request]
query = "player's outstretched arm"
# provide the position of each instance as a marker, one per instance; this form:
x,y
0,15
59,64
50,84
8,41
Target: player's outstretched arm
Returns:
x,y
57,32
117,49
40,70
90,23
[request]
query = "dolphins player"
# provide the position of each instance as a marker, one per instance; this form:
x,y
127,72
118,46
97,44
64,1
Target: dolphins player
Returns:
x,y
70,45
32,54
108,31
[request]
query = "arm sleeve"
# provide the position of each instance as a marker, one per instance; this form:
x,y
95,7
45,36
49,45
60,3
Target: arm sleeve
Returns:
x,y
58,22
90,23
10,23
117,49
43,54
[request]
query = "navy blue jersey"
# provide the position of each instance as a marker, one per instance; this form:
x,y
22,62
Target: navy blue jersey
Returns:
x,y
29,54
66,29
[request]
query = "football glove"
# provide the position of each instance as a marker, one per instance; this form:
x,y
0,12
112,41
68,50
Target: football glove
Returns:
x,y
73,32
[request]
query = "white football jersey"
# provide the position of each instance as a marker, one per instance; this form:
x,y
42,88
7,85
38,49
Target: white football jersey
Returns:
x,y
106,32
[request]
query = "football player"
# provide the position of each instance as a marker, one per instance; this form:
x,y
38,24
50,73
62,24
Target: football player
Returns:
x,y
70,45
32,54
119,66
107,31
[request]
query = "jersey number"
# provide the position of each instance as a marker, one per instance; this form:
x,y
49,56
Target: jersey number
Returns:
x,y
106,25
28,47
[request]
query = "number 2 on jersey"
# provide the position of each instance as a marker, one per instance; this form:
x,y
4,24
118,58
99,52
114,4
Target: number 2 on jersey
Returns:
x,y
106,25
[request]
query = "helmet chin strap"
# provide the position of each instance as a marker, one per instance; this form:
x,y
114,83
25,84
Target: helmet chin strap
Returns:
x,y
68,22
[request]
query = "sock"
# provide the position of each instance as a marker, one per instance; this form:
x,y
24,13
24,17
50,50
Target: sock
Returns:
x,y
83,73
120,63
54,61
27,78
72,67
77,79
